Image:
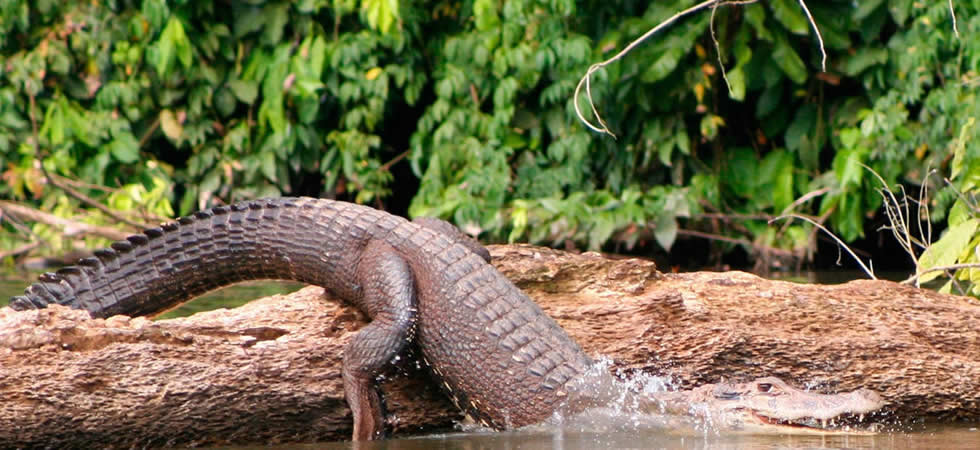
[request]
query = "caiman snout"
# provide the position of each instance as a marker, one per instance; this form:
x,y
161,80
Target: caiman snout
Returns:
x,y
770,405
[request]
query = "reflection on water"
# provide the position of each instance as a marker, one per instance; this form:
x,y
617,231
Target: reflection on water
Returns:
x,y
953,437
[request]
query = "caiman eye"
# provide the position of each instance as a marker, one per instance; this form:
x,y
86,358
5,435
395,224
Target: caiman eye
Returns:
x,y
726,395
765,387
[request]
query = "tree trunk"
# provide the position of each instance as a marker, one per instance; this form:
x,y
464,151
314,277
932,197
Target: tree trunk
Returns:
x,y
270,371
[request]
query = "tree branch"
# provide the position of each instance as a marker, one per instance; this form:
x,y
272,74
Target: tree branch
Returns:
x,y
70,227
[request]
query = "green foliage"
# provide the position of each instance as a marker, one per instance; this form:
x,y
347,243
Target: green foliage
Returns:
x,y
224,101
947,251
961,242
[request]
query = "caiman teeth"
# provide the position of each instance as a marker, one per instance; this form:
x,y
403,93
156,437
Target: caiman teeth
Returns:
x,y
842,423
809,422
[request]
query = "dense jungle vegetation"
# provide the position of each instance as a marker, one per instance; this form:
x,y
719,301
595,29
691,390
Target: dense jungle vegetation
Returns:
x,y
464,110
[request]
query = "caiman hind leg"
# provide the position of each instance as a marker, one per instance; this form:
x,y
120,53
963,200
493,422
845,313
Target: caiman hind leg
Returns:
x,y
388,297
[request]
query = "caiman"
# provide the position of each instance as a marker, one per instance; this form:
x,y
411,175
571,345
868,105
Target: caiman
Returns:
x,y
499,357
768,405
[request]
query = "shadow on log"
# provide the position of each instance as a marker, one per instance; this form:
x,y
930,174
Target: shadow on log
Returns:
x,y
270,371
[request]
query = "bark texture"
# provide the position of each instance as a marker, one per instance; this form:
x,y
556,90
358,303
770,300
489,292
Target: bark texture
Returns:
x,y
270,371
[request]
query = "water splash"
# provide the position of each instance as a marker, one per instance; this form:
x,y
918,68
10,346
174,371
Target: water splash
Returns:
x,y
604,400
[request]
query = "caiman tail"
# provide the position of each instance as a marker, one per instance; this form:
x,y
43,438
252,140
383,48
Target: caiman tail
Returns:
x,y
164,266
497,354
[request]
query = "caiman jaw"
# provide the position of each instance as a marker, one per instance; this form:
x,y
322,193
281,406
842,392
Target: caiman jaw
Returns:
x,y
770,406
773,405
847,423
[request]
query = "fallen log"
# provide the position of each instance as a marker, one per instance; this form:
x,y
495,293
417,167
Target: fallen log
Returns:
x,y
270,371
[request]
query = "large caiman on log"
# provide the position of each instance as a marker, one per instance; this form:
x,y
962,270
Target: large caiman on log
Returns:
x,y
498,356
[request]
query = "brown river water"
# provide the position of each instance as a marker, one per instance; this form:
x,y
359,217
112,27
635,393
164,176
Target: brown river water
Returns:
x,y
965,436
939,436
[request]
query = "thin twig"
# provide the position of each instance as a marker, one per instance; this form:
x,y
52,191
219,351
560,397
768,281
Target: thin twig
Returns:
x,y
601,126
81,184
18,225
721,64
823,52
20,250
915,278
958,286
70,227
387,166
924,204
586,80
952,14
90,201
966,200
899,222
866,269
64,187
149,131
146,215
803,199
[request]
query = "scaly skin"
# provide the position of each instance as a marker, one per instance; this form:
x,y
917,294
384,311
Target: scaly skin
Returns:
x,y
501,359
497,354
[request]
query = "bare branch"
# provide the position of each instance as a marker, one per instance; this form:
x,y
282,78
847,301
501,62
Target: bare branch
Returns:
x,y
18,225
952,14
711,25
149,131
803,199
897,219
866,270
81,184
823,52
387,166
88,200
721,64
926,235
70,227
968,201
914,279
601,127
20,250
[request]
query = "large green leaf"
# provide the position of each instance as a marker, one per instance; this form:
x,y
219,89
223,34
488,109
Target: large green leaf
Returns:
x,y
125,148
777,171
275,17
663,65
380,14
789,13
946,250
785,57
485,14
245,91
172,45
